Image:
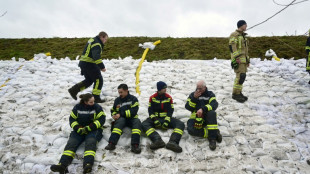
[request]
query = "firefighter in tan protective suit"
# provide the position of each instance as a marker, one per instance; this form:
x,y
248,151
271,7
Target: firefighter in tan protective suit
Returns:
x,y
240,61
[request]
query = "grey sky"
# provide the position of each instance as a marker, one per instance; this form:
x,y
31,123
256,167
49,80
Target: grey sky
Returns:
x,y
162,18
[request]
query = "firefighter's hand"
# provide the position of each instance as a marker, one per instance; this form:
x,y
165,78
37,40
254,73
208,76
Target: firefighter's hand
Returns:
x,y
238,61
116,116
103,70
199,113
81,131
197,94
165,125
198,123
157,123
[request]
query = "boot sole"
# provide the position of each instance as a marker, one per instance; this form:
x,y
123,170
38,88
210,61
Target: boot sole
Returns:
x,y
74,97
173,149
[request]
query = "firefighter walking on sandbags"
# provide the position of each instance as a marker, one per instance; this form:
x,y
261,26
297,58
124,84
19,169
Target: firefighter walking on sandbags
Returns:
x,y
240,60
91,67
203,122
124,112
160,116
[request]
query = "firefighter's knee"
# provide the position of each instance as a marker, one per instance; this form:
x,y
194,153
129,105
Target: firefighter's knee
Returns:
x,y
91,143
242,78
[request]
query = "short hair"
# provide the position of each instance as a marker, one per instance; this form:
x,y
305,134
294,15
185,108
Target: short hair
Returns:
x,y
202,82
122,86
103,34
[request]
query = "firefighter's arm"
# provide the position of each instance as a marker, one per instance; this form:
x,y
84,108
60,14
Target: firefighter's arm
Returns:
x,y
212,105
99,120
114,109
308,46
170,109
191,103
74,124
132,110
233,41
151,111
96,53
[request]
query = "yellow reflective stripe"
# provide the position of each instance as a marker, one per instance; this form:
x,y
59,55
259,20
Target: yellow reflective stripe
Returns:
x,y
89,152
97,123
134,105
74,124
152,116
149,104
73,115
136,131
212,127
117,131
156,101
205,135
101,113
191,104
233,40
172,105
69,153
98,61
307,47
148,132
96,44
136,116
96,91
179,131
211,99
166,101
128,114
193,115
167,119
209,107
113,113
163,114
236,54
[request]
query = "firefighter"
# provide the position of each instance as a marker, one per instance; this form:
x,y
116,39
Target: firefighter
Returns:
x,y
91,64
160,116
308,54
203,122
240,60
124,112
86,119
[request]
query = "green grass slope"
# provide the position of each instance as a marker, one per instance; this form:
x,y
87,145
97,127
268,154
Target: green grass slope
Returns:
x,y
170,48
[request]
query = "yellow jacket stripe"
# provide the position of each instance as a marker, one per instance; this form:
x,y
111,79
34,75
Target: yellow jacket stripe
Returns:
x,y
128,114
99,115
209,107
74,124
212,127
97,123
135,104
73,115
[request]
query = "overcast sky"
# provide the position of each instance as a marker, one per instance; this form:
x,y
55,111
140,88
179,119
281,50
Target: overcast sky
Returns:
x,y
153,18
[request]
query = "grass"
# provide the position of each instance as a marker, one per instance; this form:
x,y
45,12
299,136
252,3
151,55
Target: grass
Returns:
x,y
170,48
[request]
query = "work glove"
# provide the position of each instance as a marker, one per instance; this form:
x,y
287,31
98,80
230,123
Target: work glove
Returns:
x,y
156,121
166,123
234,64
81,131
198,123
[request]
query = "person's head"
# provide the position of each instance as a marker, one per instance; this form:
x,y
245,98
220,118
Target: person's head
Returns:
x,y
242,25
87,99
103,36
161,87
201,86
122,90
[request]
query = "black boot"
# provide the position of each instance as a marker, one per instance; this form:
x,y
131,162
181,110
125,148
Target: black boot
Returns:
x,y
238,98
212,144
87,168
74,90
171,145
110,146
157,144
245,97
98,99
219,137
135,148
59,168
308,161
